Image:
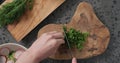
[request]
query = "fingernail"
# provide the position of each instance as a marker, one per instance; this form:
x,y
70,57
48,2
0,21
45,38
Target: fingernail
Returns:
x,y
74,60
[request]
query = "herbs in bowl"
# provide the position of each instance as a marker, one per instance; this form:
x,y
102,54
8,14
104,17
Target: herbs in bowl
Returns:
x,y
75,37
10,52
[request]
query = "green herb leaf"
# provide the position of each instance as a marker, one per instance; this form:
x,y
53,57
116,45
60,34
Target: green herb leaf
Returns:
x,y
11,12
75,37
11,56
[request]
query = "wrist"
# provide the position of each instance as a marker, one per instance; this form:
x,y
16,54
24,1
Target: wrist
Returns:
x,y
35,54
32,54
28,57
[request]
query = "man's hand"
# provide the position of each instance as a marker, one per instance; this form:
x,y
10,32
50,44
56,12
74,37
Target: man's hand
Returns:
x,y
42,48
47,44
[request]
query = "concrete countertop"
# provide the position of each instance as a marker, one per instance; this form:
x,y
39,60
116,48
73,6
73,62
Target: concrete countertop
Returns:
x,y
108,11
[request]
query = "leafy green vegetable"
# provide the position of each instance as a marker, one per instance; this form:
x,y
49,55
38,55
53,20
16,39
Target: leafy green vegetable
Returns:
x,y
76,38
11,56
11,12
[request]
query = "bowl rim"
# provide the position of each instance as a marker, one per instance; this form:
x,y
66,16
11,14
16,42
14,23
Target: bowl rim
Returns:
x,y
15,44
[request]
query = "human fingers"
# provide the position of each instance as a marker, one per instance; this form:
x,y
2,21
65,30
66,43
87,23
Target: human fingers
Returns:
x,y
58,35
52,32
60,41
56,42
74,60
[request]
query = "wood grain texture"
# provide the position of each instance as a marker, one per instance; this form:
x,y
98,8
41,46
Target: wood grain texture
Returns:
x,y
41,9
84,20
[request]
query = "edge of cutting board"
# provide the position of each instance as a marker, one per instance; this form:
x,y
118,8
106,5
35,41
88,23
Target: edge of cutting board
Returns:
x,y
41,9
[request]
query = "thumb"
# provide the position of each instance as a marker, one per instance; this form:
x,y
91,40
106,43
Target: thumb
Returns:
x,y
74,60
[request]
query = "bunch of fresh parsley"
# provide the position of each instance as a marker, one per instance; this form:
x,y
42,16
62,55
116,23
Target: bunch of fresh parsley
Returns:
x,y
75,37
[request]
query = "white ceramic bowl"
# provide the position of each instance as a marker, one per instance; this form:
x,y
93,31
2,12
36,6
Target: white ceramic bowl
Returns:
x,y
13,46
7,48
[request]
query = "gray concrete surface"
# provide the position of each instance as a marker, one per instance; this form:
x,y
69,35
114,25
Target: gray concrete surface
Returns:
x,y
108,11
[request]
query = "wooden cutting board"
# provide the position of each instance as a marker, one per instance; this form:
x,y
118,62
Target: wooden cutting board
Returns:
x,y
41,9
85,20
